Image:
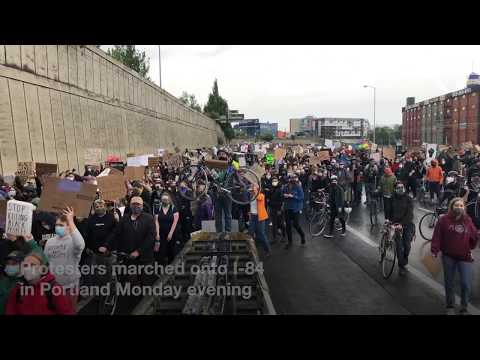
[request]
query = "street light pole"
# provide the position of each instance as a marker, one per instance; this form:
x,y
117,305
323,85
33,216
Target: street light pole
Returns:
x,y
160,66
374,106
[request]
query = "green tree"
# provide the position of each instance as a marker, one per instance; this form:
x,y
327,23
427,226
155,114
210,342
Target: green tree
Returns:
x,y
216,107
131,57
266,137
190,101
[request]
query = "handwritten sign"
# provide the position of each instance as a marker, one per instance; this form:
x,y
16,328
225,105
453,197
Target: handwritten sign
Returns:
x,y
19,218
45,169
93,156
154,161
112,187
175,161
58,193
26,169
280,153
389,153
141,160
135,172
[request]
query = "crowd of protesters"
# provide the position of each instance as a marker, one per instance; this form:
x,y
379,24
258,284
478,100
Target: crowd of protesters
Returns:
x,y
153,221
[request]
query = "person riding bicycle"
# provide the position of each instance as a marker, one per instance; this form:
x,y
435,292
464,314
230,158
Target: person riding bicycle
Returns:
x,y
386,188
402,214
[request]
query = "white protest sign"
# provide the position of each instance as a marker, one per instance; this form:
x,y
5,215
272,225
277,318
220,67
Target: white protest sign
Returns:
x,y
141,160
19,218
328,143
428,158
242,161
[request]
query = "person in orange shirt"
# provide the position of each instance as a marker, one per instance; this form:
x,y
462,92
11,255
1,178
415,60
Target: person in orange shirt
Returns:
x,y
258,220
434,177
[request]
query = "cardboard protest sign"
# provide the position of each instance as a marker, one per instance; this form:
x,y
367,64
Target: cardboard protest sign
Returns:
x,y
58,193
154,161
26,169
45,169
175,161
270,159
112,187
93,156
477,148
3,213
135,172
389,153
110,171
431,153
280,153
216,164
19,218
324,155
141,160
432,264
376,157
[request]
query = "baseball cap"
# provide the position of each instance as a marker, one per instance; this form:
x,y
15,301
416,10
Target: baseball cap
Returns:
x,y
16,255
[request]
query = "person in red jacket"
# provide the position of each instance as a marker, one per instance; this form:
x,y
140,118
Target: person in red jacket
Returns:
x,y
40,294
455,236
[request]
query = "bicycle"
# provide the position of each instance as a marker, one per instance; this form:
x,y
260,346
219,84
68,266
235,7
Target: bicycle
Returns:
x,y
108,304
387,247
373,207
319,221
316,203
242,186
428,222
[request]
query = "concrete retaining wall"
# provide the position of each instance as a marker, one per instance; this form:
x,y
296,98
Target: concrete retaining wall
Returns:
x,y
58,100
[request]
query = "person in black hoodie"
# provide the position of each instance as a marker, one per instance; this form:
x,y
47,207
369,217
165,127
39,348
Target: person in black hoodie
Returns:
x,y
276,213
403,214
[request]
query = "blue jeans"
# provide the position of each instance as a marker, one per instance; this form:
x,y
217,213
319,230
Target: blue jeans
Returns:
x,y
223,204
258,228
465,269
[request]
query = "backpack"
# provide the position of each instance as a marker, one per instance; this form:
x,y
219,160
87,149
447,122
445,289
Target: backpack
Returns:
x,y
50,303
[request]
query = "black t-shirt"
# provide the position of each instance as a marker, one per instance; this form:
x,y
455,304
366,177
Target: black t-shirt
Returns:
x,y
98,230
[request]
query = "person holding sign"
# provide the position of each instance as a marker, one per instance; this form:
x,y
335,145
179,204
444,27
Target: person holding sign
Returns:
x,y
64,252
455,237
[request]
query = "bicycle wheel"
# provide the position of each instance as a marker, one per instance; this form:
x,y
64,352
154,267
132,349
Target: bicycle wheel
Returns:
x,y
373,212
191,176
239,185
427,225
388,262
381,247
318,223
108,303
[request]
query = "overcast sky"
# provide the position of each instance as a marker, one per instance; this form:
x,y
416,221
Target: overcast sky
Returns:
x,y
276,83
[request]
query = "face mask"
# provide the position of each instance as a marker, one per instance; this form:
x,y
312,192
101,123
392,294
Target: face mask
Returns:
x,y
31,273
136,210
101,211
274,183
12,193
60,231
12,270
457,211
400,191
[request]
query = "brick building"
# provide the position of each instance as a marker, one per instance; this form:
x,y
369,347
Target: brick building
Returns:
x,y
452,119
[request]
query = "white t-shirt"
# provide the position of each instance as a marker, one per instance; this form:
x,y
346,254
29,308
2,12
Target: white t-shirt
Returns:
x,y
253,207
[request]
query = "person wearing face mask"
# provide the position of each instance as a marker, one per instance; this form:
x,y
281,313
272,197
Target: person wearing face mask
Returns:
x,y
455,237
266,182
44,295
434,177
205,209
276,213
257,220
222,203
64,252
293,205
166,221
9,276
387,189
99,226
43,226
403,214
336,200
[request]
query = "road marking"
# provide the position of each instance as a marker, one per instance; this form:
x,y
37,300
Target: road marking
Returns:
x,y
421,276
